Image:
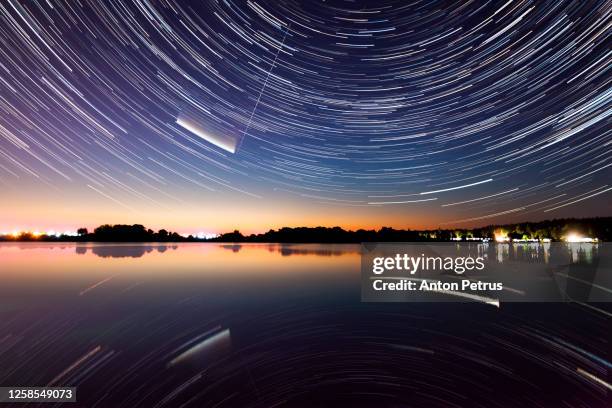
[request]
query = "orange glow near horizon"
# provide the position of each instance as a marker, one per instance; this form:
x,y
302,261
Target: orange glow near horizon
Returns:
x,y
249,216
46,210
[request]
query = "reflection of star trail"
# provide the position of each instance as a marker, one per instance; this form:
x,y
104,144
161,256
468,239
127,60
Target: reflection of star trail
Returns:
x,y
389,99
281,325
95,285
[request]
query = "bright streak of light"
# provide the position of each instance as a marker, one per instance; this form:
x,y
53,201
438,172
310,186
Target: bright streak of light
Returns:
x,y
458,187
217,339
227,143
594,378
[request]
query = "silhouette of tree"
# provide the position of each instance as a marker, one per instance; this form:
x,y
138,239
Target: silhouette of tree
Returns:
x,y
162,234
555,230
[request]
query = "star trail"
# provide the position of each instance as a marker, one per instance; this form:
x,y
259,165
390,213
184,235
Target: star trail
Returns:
x,y
405,113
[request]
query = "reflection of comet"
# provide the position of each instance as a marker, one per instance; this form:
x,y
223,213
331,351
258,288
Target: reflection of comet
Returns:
x,y
594,378
477,298
206,348
226,143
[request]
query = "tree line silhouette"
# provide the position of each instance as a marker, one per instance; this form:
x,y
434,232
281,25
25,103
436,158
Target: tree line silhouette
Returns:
x,y
599,227
556,230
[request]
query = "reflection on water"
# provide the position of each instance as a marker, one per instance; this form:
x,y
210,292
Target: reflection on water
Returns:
x,y
302,249
534,252
232,247
541,252
261,325
122,251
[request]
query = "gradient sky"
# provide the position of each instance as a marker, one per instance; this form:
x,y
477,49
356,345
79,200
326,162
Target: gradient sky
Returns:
x,y
214,115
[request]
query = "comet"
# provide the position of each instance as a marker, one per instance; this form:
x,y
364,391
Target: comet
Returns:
x,y
225,142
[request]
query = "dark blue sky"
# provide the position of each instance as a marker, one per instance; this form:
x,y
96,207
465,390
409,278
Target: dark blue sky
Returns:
x,y
217,114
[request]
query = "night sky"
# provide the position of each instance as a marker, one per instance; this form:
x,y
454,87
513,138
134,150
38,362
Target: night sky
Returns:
x,y
214,115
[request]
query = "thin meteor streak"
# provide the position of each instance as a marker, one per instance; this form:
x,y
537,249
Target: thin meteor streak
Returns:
x,y
264,86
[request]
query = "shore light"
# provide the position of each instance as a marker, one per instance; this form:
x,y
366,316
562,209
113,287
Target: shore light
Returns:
x,y
574,237
501,238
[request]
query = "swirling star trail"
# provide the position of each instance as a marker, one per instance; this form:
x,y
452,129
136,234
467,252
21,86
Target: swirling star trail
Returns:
x,y
498,110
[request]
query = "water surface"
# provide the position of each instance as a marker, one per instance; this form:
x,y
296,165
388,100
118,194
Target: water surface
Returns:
x,y
262,325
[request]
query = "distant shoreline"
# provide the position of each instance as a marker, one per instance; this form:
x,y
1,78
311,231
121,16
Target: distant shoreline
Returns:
x,y
568,229
58,241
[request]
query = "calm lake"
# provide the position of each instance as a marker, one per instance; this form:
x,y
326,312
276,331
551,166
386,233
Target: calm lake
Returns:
x,y
271,325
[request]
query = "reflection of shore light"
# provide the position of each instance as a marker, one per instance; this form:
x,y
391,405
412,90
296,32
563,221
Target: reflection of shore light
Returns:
x,y
573,237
